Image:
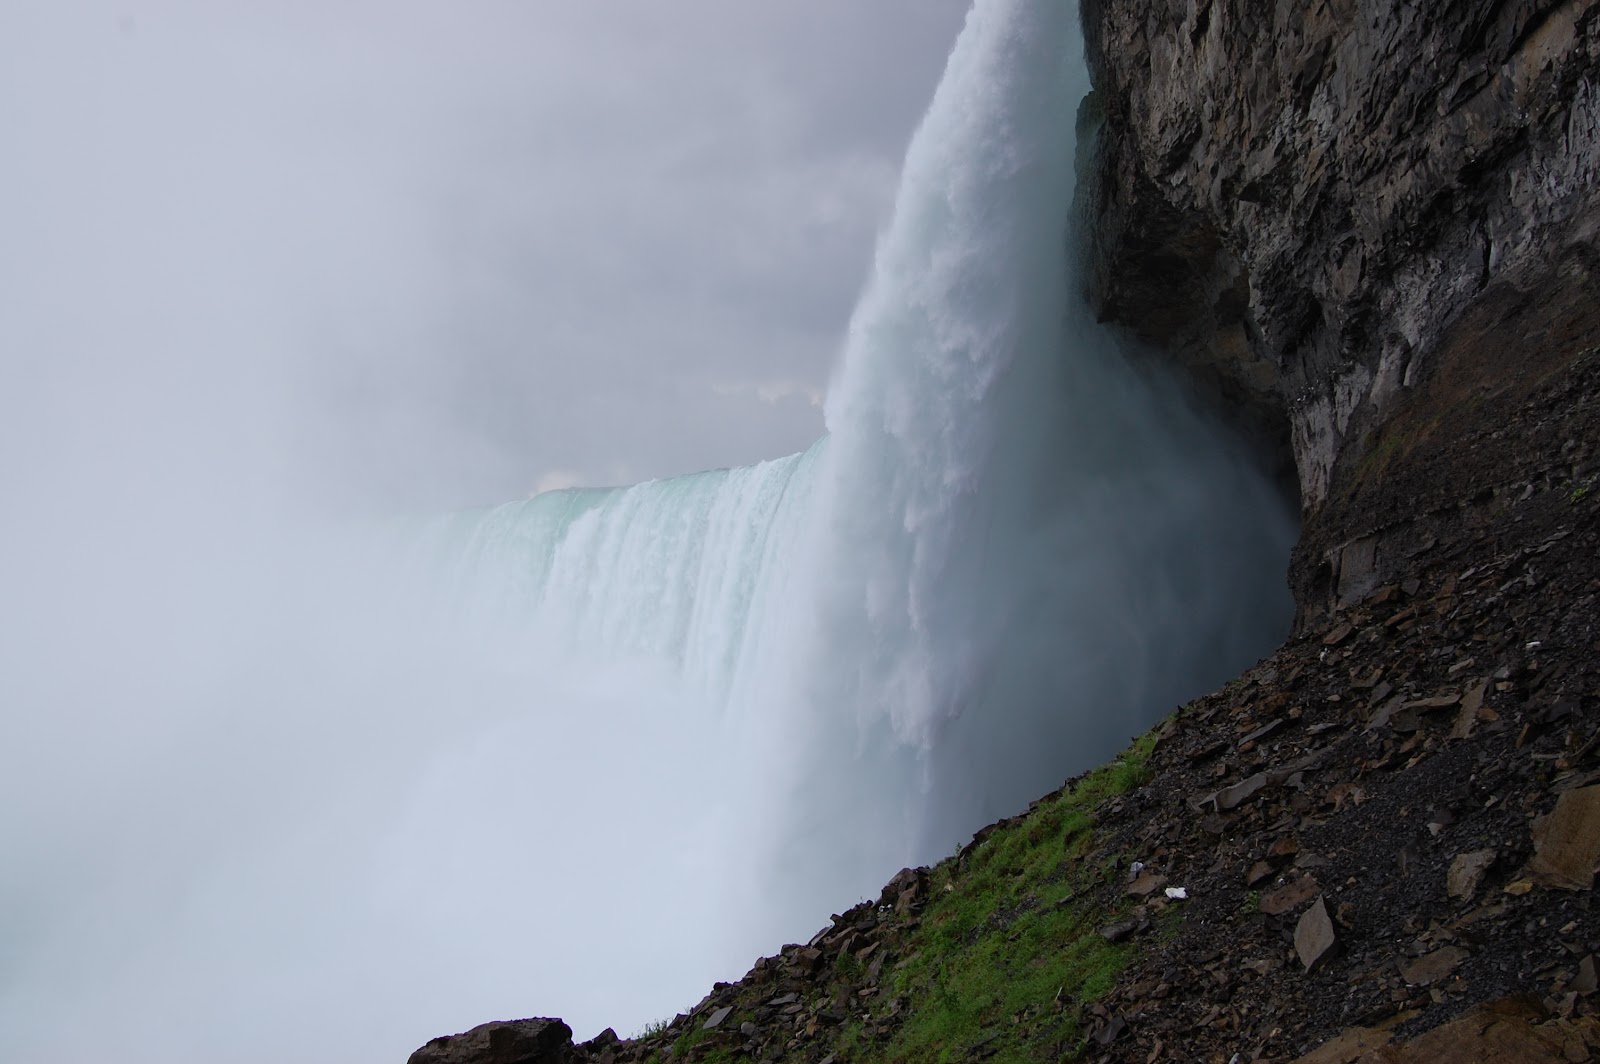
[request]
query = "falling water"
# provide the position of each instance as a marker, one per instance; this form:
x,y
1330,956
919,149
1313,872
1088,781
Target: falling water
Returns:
x,y
1010,554
582,754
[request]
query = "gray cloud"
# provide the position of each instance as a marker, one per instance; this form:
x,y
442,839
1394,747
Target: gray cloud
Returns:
x,y
491,240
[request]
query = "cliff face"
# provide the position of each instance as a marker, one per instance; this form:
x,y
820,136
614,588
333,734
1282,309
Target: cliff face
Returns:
x,y
1298,198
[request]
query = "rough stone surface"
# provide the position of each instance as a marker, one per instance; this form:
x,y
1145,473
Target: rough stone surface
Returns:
x,y
1467,872
1432,967
1566,844
1289,897
1512,1031
1295,199
1314,937
1349,1047
533,1041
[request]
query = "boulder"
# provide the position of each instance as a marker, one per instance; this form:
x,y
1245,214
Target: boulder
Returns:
x,y
1566,844
531,1041
1467,872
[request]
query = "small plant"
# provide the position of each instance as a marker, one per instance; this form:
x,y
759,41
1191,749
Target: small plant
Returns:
x,y
1170,923
850,1041
1579,494
691,1038
654,1029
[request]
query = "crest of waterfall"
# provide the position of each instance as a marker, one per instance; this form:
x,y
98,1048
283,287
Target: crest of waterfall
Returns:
x,y
678,572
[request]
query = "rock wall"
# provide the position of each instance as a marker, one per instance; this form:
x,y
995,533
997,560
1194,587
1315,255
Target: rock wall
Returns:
x,y
1297,198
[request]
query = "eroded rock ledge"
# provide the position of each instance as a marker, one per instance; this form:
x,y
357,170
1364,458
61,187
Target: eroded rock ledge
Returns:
x,y
1298,198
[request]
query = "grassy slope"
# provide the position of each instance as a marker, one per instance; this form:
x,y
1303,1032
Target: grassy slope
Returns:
x,y
1002,963
1010,949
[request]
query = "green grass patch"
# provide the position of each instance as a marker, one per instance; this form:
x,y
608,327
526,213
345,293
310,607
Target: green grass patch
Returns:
x,y
696,1035
1394,443
1005,957
1009,950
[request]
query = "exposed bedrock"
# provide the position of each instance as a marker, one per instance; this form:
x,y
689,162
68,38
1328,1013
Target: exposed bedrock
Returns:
x,y
1299,199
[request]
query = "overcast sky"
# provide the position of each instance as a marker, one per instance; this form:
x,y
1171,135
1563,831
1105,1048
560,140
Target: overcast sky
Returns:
x,y
447,253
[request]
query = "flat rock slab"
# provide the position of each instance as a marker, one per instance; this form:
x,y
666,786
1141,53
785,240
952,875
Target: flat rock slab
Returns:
x,y
1432,967
1146,884
1120,931
1314,937
1471,703
1290,896
1349,1047
1566,844
1506,1032
532,1041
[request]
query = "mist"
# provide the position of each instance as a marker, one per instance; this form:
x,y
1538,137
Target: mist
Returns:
x,y
275,274
313,749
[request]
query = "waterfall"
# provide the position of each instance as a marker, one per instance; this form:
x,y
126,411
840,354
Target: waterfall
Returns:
x,y
1010,554
584,753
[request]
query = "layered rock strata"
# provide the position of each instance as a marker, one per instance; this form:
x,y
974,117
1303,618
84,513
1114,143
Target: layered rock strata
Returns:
x,y
1296,199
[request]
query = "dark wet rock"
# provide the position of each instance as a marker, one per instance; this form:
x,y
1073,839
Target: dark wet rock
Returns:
x,y
1338,635
1432,967
1118,932
808,959
1298,203
1585,980
1467,718
1109,1031
907,891
1290,896
1146,884
1232,797
532,1041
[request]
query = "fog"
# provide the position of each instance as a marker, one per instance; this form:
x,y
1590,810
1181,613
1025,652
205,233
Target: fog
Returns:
x,y
270,268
